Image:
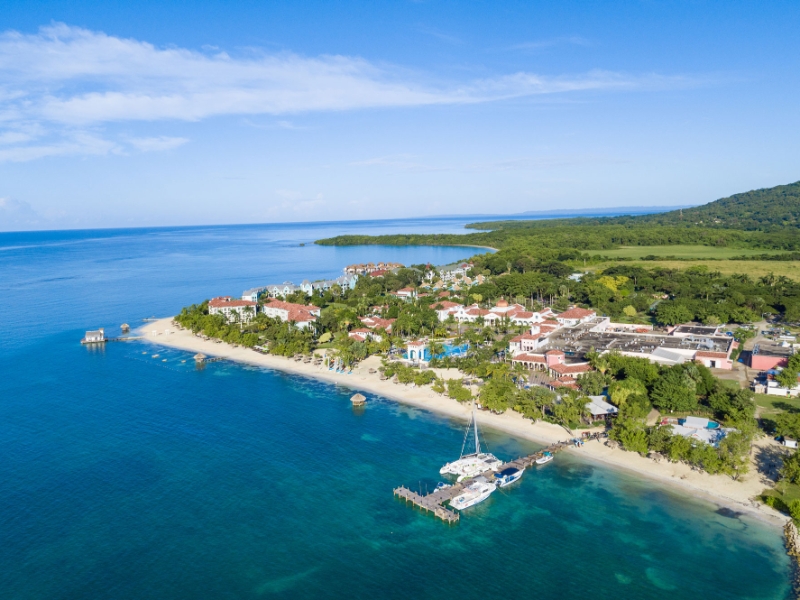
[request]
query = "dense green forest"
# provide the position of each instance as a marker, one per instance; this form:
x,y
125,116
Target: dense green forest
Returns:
x,y
765,219
766,210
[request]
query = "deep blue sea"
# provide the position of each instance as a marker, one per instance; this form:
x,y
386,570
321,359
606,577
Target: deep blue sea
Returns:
x,y
124,476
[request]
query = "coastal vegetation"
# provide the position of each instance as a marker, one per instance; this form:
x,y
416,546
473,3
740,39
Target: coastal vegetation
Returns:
x,y
662,270
636,386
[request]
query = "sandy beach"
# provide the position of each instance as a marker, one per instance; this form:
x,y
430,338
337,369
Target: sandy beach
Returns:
x,y
721,490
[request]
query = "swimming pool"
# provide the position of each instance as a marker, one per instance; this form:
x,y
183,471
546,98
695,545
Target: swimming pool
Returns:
x,y
448,350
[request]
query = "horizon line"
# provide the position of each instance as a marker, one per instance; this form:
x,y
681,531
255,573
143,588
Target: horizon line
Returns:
x,y
575,212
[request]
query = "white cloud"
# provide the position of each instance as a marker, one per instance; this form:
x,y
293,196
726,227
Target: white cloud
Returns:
x,y
157,144
67,79
77,143
73,75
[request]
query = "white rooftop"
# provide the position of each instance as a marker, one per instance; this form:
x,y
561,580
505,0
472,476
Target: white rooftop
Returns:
x,y
597,405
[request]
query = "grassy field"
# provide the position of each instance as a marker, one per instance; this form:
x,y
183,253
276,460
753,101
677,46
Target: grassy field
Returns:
x,y
683,252
776,404
753,268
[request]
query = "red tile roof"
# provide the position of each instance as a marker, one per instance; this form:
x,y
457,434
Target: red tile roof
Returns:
x,y
224,301
445,305
527,336
563,369
576,313
296,312
524,357
555,353
521,314
377,322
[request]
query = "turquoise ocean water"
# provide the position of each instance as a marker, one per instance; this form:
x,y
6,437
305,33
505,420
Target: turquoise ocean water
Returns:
x,y
127,476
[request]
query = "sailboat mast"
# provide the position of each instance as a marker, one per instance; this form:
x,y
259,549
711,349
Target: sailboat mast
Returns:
x,y
464,443
475,425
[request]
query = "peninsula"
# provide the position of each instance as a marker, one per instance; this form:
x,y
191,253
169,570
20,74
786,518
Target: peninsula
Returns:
x,y
568,330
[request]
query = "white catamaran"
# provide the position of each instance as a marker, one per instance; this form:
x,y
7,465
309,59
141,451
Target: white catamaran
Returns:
x,y
473,463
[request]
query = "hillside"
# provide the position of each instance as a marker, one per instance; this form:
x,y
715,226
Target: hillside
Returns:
x,y
766,209
762,219
762,209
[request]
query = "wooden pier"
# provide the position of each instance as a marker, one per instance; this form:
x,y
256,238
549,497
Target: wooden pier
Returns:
x,y
434,501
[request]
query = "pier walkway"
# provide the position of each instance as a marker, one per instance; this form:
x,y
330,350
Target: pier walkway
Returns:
x,y
434,501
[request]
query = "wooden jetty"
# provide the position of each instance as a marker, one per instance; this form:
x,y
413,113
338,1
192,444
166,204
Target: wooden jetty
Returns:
x,y
201,358
434,501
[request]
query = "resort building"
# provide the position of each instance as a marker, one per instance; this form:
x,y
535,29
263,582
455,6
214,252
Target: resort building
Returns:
x,y
405,293
299,314
766,356
415,350
346,282
445,308
700,429
599,408
363,334
575,316
453,271
377,323
281,290
527,342
577,331
371,268
98,336
693,329
244,310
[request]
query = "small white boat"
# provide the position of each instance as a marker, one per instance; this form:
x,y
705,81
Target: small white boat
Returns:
x,y
508,476
545,458
477,491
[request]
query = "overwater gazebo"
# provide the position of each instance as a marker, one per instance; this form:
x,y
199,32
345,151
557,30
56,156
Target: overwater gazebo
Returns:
x,y
199,357
358,399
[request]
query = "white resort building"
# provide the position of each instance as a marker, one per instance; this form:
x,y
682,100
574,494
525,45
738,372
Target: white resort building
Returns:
x,y
299,314
225,305
579,330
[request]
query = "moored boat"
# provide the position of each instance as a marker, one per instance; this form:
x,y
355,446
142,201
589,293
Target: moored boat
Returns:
x,y
544,459
508,476
477,491
472,463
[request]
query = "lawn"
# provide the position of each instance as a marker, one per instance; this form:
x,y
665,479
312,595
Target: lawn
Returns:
x,y
776,404
753,268
683,252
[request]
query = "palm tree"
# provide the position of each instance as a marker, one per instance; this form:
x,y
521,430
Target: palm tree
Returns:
x,y
597,361
499,370
520,372
435,348
248,310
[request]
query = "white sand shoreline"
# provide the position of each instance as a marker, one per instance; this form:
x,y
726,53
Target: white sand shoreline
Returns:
x,y
718,489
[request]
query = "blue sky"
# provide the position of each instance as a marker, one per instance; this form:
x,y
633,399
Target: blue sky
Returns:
x,y
156,113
